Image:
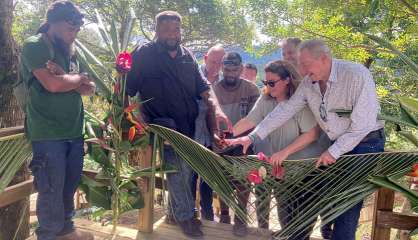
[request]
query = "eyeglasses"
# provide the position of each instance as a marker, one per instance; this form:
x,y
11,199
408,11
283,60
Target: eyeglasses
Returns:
x,y
270,83
323,111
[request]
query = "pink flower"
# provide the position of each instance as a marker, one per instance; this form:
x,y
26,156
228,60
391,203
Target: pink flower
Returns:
x,y
124,62
254,177
262,157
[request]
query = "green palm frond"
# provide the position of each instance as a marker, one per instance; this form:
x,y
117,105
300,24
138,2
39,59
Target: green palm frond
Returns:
x,y
327,192
15,150
206,163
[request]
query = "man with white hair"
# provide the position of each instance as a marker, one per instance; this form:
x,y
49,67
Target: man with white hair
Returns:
x,y
211,70
213,63
289,50
332,84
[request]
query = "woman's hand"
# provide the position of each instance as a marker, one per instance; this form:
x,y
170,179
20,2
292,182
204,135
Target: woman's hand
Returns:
x,y
244,141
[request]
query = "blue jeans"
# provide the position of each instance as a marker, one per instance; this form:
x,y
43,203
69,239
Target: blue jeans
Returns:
x,y
345,225
181,203
56,166
206,197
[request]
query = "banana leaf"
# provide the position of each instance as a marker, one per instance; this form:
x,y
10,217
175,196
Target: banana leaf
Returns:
x,y
99,194
410,107
104,33
410,136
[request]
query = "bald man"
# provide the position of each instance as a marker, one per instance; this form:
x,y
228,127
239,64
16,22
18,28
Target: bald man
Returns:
x,y
213,63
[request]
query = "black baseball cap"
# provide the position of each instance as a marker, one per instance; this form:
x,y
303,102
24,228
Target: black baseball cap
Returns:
x,y
62,11
232,58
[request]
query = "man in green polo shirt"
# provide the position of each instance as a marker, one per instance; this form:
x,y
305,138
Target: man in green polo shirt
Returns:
x,y
54,119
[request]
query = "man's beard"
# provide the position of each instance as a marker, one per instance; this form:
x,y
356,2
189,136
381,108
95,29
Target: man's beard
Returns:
x,y
231,82
63,47
169,47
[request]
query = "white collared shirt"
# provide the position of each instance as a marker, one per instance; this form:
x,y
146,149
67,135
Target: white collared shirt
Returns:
x,y
349,87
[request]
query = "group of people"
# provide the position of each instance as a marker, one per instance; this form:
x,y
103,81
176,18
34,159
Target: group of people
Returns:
x,y
291,117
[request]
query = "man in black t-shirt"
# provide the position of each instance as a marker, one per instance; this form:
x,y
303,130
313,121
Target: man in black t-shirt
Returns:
x,y
167,76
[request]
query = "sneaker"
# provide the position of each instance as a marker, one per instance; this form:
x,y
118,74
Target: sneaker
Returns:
x,y
190,228
240,229
225,219
76,235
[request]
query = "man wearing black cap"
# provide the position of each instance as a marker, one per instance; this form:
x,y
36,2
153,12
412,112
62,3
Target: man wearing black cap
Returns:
x,y
236,97
54,119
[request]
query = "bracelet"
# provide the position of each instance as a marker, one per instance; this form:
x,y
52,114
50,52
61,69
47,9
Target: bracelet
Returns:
x,y
253,137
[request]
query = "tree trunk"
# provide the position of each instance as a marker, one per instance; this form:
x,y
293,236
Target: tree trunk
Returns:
x,y
10,115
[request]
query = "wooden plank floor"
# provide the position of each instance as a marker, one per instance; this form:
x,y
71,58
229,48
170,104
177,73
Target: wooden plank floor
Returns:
x,y
163,231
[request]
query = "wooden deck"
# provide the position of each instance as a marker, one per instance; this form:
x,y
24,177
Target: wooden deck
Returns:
x,y
163,231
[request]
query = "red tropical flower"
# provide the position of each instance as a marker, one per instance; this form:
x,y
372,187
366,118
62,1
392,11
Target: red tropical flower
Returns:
x,y
254,177
414,172
124,62
132,132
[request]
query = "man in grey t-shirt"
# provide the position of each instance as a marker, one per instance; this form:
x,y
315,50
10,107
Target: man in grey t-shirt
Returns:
x,y
236,97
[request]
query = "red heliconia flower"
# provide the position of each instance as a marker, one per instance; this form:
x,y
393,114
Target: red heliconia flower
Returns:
x,y
132,132
124,62
414,172
278,172
254,177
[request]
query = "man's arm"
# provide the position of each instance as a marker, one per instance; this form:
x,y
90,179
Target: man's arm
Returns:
x,y
59,83
215,116
84,89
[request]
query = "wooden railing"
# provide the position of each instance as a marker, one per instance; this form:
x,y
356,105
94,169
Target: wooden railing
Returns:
x,y
384,218
21,190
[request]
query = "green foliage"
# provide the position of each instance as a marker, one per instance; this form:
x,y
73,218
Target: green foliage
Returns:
x,y
15,150
205,23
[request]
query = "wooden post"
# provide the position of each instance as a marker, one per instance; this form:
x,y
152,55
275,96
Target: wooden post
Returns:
x,y
383,202
146,217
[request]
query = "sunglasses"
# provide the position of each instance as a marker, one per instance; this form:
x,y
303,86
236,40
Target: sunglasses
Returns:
x,y
270,83
323,111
